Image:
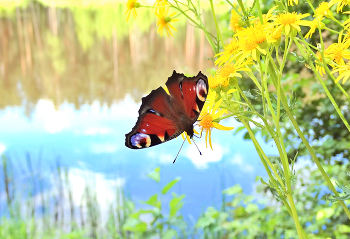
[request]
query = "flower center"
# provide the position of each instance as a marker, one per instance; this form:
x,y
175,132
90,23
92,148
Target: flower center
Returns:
x,y
287,18
227,70
206,122
322,9
249,44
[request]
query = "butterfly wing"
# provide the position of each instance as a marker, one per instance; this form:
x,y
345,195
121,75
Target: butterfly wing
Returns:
x,y
155,124
163,117
188,94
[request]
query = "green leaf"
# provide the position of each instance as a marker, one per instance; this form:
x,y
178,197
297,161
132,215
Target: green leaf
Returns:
x,y
155,175
324,213
204,222
233,190
212,212
176,204
344,229
170,234
153,201
170,185
252,208
134,225
238,129
240,212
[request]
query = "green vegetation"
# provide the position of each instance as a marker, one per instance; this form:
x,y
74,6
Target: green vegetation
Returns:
x,y
241,215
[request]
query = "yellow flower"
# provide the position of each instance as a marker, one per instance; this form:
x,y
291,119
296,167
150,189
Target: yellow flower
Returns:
x,y
214,81
338,51
344,72
319,66
160,4
236,22
228,70
209,117
252,42
347,23
131,5
323,10
291,22
313,27
164,21
341,4
269,16
290,2
229,50
275,36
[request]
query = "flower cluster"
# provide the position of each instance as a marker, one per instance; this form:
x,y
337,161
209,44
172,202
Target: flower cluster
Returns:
x,y
336,55
254,39
164,18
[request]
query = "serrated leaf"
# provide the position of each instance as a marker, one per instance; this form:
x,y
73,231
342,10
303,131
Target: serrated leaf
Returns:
x,y
171,184
155,174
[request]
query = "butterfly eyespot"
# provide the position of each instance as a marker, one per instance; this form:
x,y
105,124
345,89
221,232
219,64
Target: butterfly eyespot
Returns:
x,y
201,90
140,140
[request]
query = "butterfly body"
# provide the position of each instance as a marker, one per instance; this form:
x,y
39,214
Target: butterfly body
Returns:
x,y
163,116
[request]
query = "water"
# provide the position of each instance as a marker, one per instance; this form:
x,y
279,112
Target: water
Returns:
x,y
71,83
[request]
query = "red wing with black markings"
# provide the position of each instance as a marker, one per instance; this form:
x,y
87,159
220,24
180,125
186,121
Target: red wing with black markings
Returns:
x,y
163,117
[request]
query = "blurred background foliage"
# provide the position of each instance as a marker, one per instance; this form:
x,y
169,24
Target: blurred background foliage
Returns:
x,y
54,215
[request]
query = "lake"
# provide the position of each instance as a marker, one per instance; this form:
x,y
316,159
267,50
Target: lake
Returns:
x,y
71,83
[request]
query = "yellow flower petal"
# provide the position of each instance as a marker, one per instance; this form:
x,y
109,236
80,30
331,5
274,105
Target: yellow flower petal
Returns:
x,y
221,127
231,91
211,146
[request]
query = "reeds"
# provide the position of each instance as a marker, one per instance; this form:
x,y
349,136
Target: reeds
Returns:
x,y
40,210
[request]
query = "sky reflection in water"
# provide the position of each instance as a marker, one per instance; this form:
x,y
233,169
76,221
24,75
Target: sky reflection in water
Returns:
x,y
67,97
90,141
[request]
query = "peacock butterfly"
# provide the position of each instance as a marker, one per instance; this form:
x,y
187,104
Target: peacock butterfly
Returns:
x,y
163,116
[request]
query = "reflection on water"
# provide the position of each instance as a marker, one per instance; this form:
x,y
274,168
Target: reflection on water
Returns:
x,y
71,81
83,54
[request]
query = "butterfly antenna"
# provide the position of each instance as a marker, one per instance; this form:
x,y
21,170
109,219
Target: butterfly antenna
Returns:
x,y
179,150
197,147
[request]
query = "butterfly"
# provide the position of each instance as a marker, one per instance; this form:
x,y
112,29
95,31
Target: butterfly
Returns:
x,y
163,116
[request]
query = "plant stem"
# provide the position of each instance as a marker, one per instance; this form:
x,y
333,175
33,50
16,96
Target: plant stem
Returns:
x,y
306,143
216,23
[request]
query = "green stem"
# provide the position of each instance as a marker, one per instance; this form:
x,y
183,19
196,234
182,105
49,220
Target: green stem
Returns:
x,y
246,17
268,128
264,159
216,23
207,35
306,143
283,155
259,11
291,208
